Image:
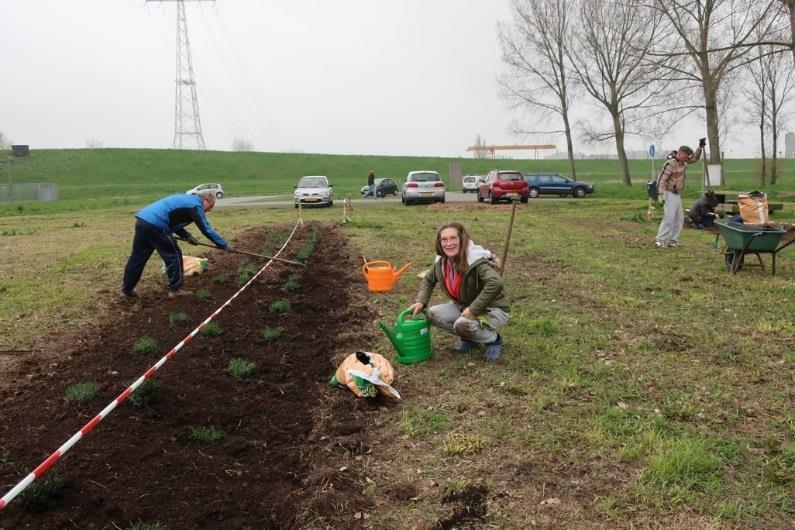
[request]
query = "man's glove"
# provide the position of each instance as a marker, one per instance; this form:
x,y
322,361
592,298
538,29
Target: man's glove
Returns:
x,y
192,240
702,142
229,249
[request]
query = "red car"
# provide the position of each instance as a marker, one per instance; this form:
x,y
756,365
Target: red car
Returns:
x,y
500,185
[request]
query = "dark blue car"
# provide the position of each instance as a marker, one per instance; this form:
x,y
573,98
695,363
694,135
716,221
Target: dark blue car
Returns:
x,y
556,184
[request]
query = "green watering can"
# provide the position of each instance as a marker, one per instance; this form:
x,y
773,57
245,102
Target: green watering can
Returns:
x,y
411,337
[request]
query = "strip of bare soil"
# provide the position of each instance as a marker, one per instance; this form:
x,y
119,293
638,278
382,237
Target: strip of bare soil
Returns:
x,y
284,428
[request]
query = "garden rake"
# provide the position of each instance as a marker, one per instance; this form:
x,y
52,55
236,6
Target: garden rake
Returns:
x,y
262,256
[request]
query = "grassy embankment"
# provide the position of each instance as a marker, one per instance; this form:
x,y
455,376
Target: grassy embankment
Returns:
x,y
638,387
102,178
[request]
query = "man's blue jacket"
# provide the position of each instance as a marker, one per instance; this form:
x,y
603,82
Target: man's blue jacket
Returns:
x,y
174,212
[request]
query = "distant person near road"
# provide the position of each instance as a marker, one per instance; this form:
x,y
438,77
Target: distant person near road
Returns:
x,y
477,308
154,226
702,213
670,186
371,184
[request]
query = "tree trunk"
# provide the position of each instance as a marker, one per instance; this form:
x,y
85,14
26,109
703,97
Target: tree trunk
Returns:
x,y
618,127
711,106
774,165
763,169
569,145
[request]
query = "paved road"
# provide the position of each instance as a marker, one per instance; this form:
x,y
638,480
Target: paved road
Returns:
x,y
287,200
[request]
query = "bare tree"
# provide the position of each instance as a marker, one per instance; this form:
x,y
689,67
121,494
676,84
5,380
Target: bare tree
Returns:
x,y
240,144
756,109
481,150
5,143
773,75
717,36
533,50
611,62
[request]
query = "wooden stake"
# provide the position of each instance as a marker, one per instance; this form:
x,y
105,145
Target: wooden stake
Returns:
x,y
507,239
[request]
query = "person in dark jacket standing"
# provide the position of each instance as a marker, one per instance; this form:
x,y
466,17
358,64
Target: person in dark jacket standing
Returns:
x,y
477,308
702,213
371,184
154,229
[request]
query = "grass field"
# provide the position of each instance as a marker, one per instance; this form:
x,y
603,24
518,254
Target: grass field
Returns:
x,y
638,387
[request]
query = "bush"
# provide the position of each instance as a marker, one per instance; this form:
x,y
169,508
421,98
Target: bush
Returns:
x,y
145,345
81,392
209,434
240,368
43,495
280,306
212,329
203,294
147,394
271,334
177,318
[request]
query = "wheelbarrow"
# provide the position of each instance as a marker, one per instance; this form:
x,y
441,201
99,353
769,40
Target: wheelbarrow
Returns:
x,y
742,239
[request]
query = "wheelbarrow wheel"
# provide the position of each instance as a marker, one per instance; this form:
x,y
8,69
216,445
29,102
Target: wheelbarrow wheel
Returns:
x,y
731,256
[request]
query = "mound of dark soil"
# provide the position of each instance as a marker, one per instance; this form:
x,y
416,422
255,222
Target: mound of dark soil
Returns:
x,y
285,431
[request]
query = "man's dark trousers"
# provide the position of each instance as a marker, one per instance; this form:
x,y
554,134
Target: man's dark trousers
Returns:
x,y
149,238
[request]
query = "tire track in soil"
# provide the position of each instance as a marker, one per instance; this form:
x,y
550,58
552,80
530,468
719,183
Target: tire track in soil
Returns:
x,y
294,446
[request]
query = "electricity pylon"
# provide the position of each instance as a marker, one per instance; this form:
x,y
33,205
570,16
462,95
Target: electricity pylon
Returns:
x,y
187,123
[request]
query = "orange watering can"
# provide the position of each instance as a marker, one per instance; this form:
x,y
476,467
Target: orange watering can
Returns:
x,y
381,276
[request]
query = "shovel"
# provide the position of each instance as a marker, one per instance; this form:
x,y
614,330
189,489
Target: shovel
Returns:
x,y
291,262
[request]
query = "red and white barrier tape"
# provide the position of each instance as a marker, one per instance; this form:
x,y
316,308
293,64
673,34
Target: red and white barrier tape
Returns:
x,y
88,427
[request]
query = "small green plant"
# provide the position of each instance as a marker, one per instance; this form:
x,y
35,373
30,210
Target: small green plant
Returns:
x,y
81,392
203,294
140,525
5,458
209,434
246,272
212,329
270,334
220,278
177,318
462,444
240,368
145,345
291,286
43,495
280,306
147,394
78,224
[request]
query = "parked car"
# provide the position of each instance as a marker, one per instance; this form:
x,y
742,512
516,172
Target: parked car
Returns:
x,y
556,184
422,186
383,187
502,185
215,187
313,190
470,183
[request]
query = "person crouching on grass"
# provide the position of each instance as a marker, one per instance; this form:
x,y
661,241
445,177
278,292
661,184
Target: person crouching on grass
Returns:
x,y
154,226
477,308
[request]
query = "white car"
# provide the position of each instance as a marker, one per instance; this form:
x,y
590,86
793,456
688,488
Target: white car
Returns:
x,y
470,183
314,190
422,186
214,187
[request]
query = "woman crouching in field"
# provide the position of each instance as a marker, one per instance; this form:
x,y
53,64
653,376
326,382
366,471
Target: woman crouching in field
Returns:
x,y
477,307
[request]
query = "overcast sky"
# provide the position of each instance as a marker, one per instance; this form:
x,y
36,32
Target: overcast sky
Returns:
x,y
388,77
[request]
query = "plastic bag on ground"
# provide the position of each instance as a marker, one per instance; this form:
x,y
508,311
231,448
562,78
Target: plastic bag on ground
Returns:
x,y
366,374
191,266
